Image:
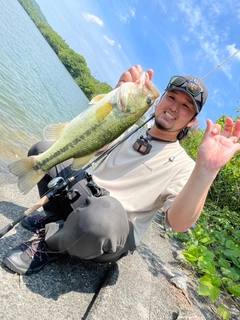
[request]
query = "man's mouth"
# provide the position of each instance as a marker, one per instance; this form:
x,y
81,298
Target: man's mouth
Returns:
x,y
169,116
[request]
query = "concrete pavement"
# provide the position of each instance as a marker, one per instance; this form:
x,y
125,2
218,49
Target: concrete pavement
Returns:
x,y
139,287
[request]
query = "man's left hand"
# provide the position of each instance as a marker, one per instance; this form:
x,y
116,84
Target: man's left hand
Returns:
x,y
217,148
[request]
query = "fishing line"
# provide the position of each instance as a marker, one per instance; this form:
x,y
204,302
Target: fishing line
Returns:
x,y
217,67
73,176
63,187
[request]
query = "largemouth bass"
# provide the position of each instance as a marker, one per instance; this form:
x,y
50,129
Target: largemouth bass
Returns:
x,y
105,120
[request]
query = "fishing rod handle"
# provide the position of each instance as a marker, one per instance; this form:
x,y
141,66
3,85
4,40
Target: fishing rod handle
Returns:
x,y
9,227
41,202
27,213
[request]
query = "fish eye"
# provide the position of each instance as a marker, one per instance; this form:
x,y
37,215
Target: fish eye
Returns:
x,y
149,100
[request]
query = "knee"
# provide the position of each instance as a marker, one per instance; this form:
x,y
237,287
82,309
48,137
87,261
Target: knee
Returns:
x,y
107,213
101,217
39,147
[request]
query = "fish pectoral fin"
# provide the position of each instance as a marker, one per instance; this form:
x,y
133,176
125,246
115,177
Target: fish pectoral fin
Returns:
x,y
97,98
78,163
53,131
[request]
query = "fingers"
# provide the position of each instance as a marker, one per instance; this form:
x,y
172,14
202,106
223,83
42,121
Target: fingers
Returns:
x,y
228,127
216,129
209,126
236,131
212,128
230,131
133,74
150,73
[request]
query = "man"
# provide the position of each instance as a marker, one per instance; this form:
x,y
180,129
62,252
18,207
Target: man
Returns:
x,y
146,172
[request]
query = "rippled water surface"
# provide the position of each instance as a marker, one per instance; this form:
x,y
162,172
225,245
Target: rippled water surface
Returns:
x,y
35,88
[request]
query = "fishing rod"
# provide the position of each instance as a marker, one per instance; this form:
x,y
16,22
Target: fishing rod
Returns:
x,y
217,67
59,187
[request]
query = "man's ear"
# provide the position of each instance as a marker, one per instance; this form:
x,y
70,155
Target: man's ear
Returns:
x,y
191,123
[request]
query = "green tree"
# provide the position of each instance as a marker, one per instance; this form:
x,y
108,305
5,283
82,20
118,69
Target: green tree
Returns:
x,y
73,62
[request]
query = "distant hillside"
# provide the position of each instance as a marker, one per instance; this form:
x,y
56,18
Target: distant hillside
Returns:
x,y
33,10
73,62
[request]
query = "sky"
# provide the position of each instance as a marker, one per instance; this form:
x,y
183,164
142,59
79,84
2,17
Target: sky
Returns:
x,y
184,37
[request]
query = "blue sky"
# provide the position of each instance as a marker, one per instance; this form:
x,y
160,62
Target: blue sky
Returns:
x,y
170,37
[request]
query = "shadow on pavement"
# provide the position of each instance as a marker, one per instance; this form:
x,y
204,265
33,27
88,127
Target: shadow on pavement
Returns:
x,y
58,277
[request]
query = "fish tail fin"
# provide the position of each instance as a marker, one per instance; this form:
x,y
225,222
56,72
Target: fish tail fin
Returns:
x,y
27,176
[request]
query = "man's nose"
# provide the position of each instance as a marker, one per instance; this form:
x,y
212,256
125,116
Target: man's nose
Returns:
x,y
174,106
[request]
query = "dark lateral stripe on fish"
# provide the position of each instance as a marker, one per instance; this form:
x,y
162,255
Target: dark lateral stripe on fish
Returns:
x,y
72,144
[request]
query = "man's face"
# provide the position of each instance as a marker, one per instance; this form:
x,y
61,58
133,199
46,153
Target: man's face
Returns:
x,y
174,111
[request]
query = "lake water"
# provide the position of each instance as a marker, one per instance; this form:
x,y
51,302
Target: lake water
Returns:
x,y
35,88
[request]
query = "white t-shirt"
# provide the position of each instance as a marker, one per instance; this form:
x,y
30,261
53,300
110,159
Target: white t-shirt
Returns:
x,y
144,183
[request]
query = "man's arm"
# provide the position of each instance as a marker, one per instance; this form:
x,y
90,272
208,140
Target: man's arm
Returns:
x,y
215,150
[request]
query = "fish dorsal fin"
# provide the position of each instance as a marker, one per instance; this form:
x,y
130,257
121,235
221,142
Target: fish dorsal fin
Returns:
x,y
53,131
78,163
97,98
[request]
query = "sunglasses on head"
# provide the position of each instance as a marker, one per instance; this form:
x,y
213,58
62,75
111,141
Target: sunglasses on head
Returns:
x,y
190,86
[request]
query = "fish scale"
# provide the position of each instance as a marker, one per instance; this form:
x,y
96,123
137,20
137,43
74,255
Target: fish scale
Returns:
x,y
105,120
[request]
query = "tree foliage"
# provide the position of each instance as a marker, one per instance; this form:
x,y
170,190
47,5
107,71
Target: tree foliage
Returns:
x,y
73,62
213,247
33,10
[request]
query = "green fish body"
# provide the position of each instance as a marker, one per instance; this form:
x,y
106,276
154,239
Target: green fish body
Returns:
x,y
107,118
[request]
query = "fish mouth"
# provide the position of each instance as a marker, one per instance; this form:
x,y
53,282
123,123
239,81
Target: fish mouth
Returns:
x,y
150,86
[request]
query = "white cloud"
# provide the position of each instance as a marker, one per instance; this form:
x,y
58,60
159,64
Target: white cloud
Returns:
x,y
201,27
233,50
132,12
105,51
193,13
176,54
111,42
126,15
213,52
91,18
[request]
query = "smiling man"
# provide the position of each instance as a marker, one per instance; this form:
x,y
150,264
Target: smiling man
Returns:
x,y
148,171
176,112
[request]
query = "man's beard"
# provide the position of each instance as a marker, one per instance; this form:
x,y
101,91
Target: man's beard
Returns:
x,y
161,127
